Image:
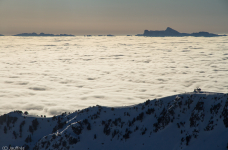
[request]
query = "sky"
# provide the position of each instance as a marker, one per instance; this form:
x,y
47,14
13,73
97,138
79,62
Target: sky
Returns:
x,y
118,17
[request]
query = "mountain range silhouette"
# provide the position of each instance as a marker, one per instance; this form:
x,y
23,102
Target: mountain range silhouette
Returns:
x,y
171,32
41,34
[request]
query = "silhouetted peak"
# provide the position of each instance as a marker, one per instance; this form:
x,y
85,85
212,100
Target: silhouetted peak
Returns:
x,y
170,30
41,34
34,33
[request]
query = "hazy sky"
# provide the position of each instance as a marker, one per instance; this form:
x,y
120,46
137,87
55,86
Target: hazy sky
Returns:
x,y
117,17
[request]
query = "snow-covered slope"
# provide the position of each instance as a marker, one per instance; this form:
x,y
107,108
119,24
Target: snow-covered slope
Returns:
x,y
187,121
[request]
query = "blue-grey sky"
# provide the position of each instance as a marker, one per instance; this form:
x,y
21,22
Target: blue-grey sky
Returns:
x,y
117,17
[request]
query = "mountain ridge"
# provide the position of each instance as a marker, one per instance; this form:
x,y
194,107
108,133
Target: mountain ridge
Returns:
x,y
196,120
173,33
41,34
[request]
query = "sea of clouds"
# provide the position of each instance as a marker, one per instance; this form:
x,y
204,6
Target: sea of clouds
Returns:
x,y
51,75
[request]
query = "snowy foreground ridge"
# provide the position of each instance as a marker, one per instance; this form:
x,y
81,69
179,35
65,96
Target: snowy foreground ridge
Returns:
x,y
187,121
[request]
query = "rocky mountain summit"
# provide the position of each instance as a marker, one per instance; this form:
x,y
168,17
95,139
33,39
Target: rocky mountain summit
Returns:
x,y
173,33
196,120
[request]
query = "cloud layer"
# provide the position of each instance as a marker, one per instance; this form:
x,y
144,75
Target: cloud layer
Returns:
x,y
51,75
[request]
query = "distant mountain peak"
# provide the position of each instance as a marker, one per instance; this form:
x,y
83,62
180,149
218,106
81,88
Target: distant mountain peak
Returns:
x,y
171,32
168,29
41,34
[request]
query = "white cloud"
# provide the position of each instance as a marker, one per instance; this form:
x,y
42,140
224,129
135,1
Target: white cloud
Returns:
x,y
109,71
